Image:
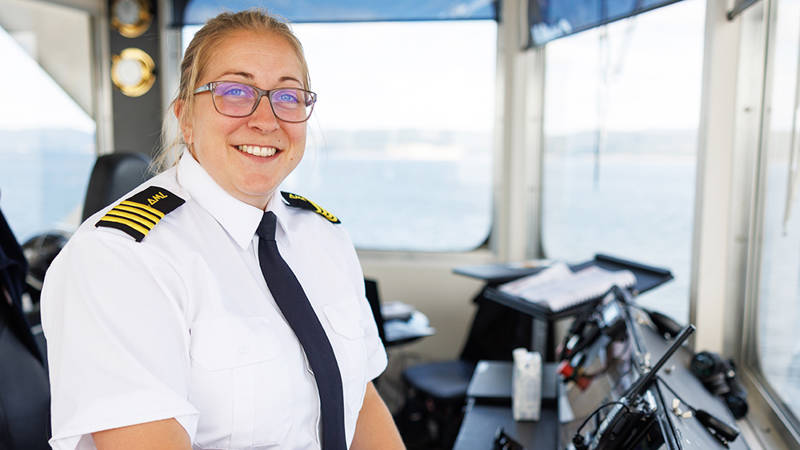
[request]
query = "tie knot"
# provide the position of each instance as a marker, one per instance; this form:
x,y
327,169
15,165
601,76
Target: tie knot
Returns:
x,y
266,229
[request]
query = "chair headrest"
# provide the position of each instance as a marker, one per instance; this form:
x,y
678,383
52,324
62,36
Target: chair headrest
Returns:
x,y
113,176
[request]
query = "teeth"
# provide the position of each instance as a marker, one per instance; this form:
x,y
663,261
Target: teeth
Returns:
x,y
256,150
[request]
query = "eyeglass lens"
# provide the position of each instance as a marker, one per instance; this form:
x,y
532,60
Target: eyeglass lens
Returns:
x,y
239,100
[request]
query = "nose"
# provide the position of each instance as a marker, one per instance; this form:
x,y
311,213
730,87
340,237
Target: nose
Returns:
x,y
263,118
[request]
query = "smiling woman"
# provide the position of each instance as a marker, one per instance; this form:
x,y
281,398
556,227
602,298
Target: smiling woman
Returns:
x,y
250,176
253,299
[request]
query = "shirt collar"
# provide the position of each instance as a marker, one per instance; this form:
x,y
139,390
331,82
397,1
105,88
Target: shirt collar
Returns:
x,y
239,219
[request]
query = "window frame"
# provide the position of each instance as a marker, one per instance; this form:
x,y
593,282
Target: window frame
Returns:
x,y
770,410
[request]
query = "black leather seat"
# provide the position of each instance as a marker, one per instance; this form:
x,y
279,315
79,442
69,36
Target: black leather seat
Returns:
x,y
113,176
24,387
442,380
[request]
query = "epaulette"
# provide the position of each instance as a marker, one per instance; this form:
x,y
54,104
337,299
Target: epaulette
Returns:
x,y
298,201
138,214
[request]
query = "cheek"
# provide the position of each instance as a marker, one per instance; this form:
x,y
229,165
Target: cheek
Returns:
x,y
209,127
297,136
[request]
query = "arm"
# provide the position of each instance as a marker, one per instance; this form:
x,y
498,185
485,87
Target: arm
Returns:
x,y
117,339
375,427
161,434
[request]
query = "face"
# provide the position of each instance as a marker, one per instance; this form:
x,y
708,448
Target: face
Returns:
x,y
221,144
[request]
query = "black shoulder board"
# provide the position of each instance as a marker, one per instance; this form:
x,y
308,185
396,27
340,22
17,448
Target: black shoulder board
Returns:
x,y
298,201
138,214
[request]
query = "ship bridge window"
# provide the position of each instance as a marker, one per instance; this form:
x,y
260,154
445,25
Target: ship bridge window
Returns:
x,y
622,106
400,141
47,134
777,349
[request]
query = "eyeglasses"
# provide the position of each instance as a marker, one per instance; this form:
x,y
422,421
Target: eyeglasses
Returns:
x,y
240,100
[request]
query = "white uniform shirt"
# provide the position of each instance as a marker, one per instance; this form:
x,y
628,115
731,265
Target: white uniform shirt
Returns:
x,y
182,324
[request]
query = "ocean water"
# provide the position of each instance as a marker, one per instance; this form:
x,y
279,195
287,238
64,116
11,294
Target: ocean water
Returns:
x,y
43,190
395,204
638,207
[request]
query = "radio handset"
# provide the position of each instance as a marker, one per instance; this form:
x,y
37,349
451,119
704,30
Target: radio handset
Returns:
x,y
630,418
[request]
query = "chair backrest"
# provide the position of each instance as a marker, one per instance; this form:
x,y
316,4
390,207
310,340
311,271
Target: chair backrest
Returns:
x,y
24,389
371,287
496,330
113,176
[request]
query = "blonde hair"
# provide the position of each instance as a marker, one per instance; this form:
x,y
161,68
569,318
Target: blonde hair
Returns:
x,y
196,59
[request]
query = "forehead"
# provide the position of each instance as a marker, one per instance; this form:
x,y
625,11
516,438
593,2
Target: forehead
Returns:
x,y
265,55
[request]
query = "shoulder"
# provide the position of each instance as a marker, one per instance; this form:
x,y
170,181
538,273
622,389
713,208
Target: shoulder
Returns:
x,y
329,235
311,219
123,258
139,229
140,213
302,203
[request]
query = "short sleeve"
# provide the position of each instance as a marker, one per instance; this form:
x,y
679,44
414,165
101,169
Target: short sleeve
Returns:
x,y
113,313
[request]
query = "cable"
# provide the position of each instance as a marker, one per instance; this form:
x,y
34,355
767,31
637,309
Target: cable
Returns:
x,y
666,385
577,439
578,431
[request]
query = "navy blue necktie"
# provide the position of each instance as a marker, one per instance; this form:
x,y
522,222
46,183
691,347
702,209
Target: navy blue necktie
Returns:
x,y
297,310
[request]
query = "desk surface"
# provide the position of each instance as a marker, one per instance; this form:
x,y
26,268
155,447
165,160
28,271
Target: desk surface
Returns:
x,y
482,421
399,331
489,408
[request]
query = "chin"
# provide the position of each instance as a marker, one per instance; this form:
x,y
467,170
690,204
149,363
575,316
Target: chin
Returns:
x,y
262,191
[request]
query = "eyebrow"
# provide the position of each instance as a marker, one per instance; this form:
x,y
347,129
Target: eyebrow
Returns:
x,y
250,76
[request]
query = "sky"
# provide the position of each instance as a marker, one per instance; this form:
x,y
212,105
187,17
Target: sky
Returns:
x,y
652,64
30,97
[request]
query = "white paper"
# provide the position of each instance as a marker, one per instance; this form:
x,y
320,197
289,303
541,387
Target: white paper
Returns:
x,y
559,288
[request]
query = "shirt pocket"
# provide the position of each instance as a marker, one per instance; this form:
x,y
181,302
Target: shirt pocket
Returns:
x,y
235,364
347,340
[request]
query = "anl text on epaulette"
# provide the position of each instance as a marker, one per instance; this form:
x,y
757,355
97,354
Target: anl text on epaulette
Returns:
x,y
138,214
298,201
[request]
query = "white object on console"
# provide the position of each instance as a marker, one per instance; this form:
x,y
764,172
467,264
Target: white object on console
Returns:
x,y
526,385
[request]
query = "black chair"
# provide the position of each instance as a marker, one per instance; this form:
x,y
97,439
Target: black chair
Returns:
x,y
371,288
437,390
113,176
24,387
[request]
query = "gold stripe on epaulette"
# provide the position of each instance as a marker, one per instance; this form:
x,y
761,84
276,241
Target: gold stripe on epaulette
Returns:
x,y
127,222
148,224
144,207
141,212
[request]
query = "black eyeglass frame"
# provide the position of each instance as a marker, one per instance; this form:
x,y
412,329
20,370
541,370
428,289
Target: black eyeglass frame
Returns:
x,y
210,86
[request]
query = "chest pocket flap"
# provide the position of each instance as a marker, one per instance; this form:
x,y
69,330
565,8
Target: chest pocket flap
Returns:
x,y
226,343
344,321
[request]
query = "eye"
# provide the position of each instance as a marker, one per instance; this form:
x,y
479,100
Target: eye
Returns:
x,y
234,90
286,97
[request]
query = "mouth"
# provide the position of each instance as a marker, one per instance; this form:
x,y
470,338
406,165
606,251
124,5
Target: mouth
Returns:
x,y
257,150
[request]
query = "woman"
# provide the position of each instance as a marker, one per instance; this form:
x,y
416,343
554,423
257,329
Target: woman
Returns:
x,y
171,317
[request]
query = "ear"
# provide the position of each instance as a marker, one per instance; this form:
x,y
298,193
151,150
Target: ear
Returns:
x,y
183,123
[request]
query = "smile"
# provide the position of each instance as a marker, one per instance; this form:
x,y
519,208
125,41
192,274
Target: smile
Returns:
x,y
257,150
